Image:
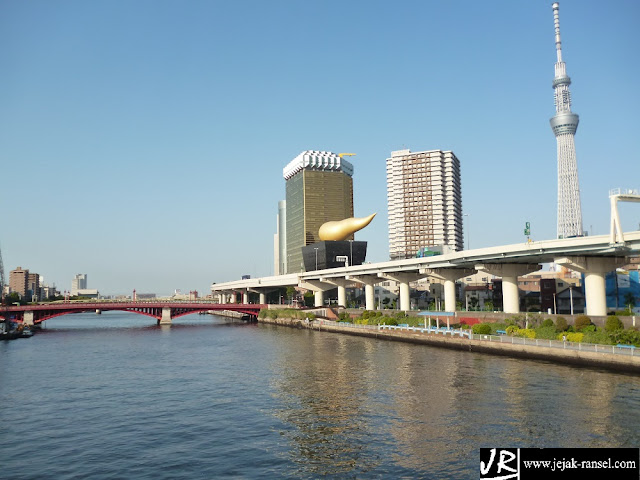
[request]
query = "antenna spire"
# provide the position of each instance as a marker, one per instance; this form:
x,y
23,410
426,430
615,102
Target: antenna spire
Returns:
x,y
556,24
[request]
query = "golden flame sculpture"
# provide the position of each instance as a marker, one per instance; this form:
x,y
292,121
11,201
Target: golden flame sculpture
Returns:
x,y
341,230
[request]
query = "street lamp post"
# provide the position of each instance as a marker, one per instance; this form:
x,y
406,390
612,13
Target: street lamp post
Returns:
x,y
571,297
555,311
316,249
350,252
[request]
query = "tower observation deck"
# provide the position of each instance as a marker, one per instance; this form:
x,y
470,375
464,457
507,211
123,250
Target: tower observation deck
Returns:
x,y
564,124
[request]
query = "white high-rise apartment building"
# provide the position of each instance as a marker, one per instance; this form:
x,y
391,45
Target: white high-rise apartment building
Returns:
x,y
425,202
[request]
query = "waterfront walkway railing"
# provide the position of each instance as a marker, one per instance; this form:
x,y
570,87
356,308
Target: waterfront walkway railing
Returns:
x,y
534,342
539,342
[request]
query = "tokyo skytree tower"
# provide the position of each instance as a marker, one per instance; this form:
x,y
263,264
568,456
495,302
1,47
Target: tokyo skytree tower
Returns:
x,y
564,124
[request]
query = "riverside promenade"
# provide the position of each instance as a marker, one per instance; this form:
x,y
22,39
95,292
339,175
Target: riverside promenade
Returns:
x,y
608,357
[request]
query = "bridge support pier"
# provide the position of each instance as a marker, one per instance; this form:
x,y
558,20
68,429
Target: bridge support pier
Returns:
x,y
166,316
509,273
27,319
369,293
245,297
318,289
341,283
449,275
403,279
594,269
234,297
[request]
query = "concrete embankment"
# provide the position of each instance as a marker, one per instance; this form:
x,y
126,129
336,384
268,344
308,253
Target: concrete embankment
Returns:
x,y
609,361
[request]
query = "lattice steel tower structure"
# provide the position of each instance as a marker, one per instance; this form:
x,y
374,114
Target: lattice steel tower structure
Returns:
x,y
564,124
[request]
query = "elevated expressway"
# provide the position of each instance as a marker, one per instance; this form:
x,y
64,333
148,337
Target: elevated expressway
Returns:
x,y
594,256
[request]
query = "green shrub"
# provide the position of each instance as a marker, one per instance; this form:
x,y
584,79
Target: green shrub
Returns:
x,y
525,332
389,321
497,326
581,322
273,314
547,323
571,337
561,324
626,337
546,332
613,323
481,329
598,336
512,329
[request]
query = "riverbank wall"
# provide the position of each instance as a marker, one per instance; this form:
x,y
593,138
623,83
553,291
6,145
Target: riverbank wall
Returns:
x,y
608,361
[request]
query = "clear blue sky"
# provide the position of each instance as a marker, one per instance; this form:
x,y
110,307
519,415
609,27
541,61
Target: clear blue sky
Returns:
x,y
142,142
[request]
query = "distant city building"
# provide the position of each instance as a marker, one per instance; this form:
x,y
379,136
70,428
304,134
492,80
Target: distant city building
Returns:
x,y
424,201
33,287
87,292
564,124
79,282
319,189
19,282
145,296
280,240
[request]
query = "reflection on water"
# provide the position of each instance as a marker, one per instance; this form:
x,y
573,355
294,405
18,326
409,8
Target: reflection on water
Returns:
x,y
211,398
350,402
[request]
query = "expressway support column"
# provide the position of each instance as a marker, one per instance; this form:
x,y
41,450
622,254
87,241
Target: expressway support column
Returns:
x,y
368,281
594,269
509,273
449,276
27,319
234,297
341,283
403,278
262,293
318,288
166,316
245,297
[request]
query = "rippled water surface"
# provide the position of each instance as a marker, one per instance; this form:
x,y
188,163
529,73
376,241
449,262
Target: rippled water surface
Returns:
x,y
115,396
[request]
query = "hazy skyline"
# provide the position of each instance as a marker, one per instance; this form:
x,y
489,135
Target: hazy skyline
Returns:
x,y
142,142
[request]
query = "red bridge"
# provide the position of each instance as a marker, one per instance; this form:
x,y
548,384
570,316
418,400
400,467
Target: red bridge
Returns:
x,y
163,312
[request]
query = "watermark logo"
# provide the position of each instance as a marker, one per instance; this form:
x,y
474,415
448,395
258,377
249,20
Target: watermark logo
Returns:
x,y
499,463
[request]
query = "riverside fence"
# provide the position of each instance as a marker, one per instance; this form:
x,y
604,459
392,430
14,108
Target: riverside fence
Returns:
x,y
628,350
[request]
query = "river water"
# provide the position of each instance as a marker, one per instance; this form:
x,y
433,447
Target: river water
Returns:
x,y
114,396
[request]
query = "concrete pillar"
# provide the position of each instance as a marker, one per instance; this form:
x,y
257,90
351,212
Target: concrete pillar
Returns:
x,y
245,297
166,316
341,283
594,269
405,299
403,279
318,287
234,297
449,275
263,298
369,293
509,273
369,297
510,296
318,298
27,319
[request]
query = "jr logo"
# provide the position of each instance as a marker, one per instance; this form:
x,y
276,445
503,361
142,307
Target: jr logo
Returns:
x,y
499,464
